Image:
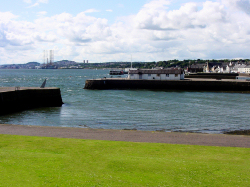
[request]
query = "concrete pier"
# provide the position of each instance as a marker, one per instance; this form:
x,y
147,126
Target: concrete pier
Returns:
x,y
233,85
14,99
212,75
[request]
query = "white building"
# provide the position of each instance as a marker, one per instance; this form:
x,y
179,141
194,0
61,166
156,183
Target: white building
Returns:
x,y
236,69
229,68
157,74
242,68
247,69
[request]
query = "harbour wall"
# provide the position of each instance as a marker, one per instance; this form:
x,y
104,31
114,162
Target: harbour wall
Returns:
x,y
212,75
182,85
17,99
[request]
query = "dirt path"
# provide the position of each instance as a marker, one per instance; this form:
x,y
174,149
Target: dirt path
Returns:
x,y
129,135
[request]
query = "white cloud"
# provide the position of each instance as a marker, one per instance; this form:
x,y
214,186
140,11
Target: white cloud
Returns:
x,y
34,5
109,10
188,16
194,30
68,52
157,5
244,5
37,3
7,16
91,11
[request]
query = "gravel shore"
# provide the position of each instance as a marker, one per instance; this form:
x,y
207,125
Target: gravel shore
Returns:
x,y
129,135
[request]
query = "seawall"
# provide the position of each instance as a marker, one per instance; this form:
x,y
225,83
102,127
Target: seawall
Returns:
x,y
17,99
182,85
212,75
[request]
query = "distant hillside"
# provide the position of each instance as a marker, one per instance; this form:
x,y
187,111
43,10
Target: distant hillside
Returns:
x,y
33,64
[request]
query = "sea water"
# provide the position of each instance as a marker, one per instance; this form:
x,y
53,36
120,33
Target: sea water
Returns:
x,y
206,112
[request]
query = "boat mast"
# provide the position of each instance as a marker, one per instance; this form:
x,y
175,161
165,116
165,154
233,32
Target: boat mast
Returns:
x,y
131,61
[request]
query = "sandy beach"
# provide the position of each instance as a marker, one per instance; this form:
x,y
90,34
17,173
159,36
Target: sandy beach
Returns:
x,y
129,135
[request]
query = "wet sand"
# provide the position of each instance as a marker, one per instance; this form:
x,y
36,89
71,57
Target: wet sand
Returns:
x,y
129,135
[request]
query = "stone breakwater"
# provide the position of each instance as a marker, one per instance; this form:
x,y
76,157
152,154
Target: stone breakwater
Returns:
x,y
180,85
14,99
212,75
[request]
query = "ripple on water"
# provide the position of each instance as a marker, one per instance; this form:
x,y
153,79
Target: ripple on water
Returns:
x,y
206,112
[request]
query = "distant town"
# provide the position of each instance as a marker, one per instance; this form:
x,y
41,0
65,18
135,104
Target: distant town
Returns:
x,y
191,66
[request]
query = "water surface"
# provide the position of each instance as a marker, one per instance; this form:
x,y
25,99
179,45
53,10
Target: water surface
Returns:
x,y
207,112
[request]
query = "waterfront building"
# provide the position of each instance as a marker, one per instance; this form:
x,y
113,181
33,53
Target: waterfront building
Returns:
x,y
157,74
196,68
241,68
244,69
214,67
236,67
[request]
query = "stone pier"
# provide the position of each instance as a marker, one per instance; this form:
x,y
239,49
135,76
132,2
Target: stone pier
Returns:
x,y
220,85
14,99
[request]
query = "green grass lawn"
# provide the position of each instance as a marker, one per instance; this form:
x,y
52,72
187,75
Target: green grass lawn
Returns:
x,y
42,161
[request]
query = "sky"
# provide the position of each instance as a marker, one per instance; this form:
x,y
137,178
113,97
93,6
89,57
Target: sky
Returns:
x,y
119,30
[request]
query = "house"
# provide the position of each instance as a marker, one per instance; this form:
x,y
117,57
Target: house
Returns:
x,y
247,69
244,69
241,68
194,68
157,74
236,69
225,68
215,67
211,67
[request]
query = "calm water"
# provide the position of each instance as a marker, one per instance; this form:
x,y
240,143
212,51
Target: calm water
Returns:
x,y
127,109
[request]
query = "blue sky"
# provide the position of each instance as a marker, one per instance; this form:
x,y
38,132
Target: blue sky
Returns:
x,y
113,30
109,9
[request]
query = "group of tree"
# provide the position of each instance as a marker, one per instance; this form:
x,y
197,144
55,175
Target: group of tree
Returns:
x,y
165,64
188,62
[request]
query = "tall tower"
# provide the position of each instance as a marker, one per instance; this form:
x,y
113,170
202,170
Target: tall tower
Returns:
x,y
51,56
45,56
46,59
